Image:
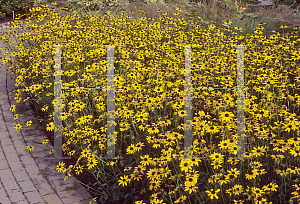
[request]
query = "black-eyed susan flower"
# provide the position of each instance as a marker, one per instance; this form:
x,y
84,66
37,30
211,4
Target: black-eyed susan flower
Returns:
x,y
123,180
60,166
185,165
13,108
139,146
152,174
190,189
145,160
258,151
270,187
213,194
216,164
226,116
153,130
130,149
136,177
79,170
251,175
295,151
154,185
16,116
237,189
29,123
216,156
190,181
223,144
30,148
92,163
18,127
234,172
157,143
181,199
50,127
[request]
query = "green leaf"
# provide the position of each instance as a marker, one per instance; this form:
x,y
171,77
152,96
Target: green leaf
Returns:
x,y
126,195
190,15
236,15
226,25
106,196
250,15
114,196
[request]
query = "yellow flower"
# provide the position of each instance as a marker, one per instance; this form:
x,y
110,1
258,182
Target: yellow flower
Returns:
x,y
226,116
18,127
191,189
234,172
139,169
50,127
91,164
139,202
157,143
181,113
191,181
79,169
130,149
283,26
29,123
216,156
45,141
181,199
145,160
13,108
94,199
30,148
185,165
123,180
237,189
16,116
67,174
111,163
139,146
60,166
212,193
128,168
154,185
251,175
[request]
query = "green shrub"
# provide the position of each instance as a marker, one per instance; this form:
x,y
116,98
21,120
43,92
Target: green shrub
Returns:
x,y
18,6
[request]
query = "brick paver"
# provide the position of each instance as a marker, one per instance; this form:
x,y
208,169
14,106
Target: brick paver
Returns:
x,y
23,178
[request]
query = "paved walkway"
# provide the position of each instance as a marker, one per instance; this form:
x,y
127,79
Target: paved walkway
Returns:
x,y
27,177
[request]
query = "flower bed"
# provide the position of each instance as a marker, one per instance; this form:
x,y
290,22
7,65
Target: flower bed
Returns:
x,y
150,108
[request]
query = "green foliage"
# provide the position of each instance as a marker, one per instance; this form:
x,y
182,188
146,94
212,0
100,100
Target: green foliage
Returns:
x,y
18,6
90,5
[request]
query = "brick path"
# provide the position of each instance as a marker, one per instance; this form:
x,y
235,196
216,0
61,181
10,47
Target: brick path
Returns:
x,y
27,177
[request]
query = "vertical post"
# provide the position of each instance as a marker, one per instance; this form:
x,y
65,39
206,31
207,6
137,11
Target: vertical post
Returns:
x,y
188,130
240,102
110,104
57,107
188,133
